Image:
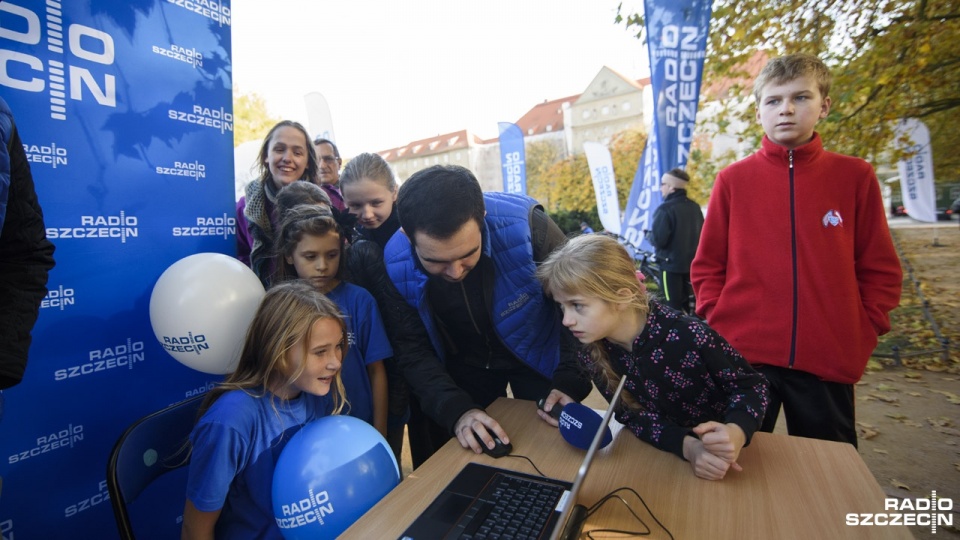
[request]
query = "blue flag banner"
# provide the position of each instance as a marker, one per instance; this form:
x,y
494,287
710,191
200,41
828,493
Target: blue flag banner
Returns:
x,y
677,32
513,159
125,112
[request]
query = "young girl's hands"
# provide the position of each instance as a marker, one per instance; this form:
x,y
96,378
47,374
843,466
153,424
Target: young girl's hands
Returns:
x,y
705,465
722,440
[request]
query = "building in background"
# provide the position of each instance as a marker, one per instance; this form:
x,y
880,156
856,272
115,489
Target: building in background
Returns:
x,y
610,104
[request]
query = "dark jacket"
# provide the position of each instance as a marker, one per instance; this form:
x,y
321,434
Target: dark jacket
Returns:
x,y
26,256
676,232
431,382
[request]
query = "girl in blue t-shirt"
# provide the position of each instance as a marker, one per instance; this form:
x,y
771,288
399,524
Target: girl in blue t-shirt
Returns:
x,y
311,246
290,361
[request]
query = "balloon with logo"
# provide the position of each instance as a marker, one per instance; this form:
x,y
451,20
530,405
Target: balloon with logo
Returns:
x,y
329,474
200,309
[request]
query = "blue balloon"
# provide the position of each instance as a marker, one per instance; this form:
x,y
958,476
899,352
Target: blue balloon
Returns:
x,y
329,474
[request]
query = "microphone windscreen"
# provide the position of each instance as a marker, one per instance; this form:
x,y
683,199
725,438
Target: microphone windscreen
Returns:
x,y
579,424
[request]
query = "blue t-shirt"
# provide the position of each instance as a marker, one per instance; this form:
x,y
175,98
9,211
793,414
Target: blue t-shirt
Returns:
x,y
367,344
236,445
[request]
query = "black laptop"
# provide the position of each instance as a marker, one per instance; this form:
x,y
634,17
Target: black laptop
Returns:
x,y
490,502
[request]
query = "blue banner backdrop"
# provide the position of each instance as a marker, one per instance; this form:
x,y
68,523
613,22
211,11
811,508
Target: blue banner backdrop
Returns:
x,y
513,160
677,32
125,111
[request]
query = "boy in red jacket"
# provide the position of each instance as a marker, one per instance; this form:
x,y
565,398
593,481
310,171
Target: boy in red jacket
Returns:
x,y
796,267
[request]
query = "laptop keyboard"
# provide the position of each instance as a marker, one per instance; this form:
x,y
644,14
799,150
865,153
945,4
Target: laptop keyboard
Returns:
x,y
509,508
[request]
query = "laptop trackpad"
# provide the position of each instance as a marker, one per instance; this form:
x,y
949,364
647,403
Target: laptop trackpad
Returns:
x,y
437,520
448,508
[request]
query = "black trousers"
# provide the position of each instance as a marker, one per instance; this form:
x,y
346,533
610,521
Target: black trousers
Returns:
x,y
677,290
813,407
484,386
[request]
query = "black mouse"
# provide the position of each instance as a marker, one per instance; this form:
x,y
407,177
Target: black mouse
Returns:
x,y
500,448
554,412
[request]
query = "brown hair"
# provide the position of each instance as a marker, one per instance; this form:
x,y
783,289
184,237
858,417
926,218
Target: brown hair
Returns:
x,y
790,67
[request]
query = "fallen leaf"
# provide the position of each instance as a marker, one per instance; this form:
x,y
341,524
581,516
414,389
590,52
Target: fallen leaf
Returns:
x,y
867,434
899,485
947,431
886,399
935,368
911,423
864,424
915,394
912,375
957,466
951,397
896,416
941,421
880,451
887,388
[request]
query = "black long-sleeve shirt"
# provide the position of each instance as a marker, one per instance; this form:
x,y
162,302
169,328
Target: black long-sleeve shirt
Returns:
x,y
682,373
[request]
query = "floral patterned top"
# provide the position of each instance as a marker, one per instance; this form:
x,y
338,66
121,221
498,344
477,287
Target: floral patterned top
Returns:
x,y
682,373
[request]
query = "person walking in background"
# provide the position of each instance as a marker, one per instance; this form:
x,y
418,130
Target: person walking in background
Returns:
x,y
796,267
26,256
585,228
675,235
329,156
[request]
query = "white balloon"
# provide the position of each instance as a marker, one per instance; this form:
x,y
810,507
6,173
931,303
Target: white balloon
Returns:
x,y
200,309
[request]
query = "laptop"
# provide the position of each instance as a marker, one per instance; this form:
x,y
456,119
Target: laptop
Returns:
x,y
484,501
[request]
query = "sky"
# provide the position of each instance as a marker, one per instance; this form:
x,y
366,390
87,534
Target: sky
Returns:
x,y
397,71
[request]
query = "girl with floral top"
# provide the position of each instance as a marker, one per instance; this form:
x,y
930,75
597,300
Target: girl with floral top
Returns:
x,y
688,391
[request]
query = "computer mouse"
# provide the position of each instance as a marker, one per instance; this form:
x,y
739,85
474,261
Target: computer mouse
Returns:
x,y
500,448
554,412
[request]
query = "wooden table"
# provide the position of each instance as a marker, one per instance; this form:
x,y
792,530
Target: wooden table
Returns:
x,y
790,487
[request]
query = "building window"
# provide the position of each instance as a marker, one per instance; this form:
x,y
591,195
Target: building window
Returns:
x,y
586,114
605,110
626,105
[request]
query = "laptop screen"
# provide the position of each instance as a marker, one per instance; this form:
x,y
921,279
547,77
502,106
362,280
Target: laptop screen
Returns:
x,y
572,515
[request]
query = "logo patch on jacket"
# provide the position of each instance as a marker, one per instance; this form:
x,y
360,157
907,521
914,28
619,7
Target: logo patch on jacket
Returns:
x,y
832,217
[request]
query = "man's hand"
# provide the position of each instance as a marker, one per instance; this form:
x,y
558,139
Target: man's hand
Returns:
x,y
471,430
555,398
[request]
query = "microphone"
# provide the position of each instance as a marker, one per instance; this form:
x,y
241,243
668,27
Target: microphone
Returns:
x,y
579,424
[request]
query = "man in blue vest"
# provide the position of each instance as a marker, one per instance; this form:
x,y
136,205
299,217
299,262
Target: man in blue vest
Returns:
x,y
465,261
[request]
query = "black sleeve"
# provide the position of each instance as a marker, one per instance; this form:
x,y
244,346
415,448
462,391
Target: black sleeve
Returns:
x,y
661,230
26,257
439,396
569,377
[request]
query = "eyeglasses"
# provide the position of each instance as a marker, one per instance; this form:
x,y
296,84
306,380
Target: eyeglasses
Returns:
x,y
328,159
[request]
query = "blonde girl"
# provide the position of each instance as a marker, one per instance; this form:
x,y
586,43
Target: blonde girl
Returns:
x,y
688,391
370,192
288,375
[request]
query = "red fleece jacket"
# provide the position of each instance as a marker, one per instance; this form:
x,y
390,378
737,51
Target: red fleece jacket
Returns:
x,y
796,268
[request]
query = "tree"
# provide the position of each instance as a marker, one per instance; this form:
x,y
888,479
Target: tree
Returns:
x,y
540,156
890,59
251,121
565,186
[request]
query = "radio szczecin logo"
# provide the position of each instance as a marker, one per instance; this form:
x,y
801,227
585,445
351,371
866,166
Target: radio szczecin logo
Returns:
x,y
930,512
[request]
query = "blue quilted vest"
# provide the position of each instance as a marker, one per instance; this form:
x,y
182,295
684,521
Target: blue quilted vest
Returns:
x,y
524,318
